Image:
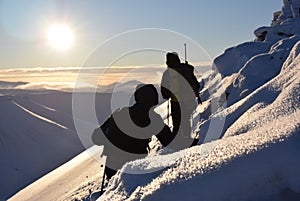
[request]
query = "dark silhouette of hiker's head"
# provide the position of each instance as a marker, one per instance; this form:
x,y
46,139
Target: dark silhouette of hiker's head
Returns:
x,y
146,94
172,59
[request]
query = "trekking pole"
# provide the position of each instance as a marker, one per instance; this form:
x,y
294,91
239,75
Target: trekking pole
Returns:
x,y
103,179
168,115
96,195
185,53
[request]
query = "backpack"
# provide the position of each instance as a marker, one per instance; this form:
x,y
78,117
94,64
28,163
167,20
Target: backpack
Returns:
x,y
187,71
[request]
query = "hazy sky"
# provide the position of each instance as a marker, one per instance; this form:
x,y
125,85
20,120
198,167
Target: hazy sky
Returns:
x,y
215,25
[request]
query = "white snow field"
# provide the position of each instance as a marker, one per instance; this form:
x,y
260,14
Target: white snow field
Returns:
x,y
249,130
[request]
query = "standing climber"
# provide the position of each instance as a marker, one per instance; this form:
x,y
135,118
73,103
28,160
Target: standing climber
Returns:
x,y
181,86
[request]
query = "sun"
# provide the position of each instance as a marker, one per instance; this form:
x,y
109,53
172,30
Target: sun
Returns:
x,y
60,36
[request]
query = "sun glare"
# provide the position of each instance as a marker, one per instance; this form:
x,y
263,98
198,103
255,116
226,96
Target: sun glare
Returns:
x,y
60,36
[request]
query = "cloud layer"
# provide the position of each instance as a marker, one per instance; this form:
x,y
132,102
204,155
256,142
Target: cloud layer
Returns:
x,y
86,78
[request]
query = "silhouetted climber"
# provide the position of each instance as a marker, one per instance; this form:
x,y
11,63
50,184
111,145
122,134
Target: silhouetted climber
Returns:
x,y
181,86
127,132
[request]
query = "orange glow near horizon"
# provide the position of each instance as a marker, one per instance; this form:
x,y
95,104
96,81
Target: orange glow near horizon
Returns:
x,y
90,76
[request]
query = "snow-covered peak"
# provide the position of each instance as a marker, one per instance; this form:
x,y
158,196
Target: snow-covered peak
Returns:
x,y
286,24
290,9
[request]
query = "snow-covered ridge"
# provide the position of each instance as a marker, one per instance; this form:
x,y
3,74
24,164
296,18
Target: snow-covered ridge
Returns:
x,y
290,9
286,26
258,162
39,116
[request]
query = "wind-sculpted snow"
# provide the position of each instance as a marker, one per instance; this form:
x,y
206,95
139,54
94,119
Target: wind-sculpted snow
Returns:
x,y
215,171
259,70
285,105
234,58
264,95
275,33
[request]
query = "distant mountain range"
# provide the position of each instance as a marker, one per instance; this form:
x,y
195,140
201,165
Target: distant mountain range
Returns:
x,y
7,85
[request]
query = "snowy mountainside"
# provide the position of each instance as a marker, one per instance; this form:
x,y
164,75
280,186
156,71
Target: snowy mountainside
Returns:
x,y
78,177
37,130
258,162
249,131
37,134
30,146
285,92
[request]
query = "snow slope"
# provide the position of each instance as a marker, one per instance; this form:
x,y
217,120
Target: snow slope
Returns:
x,y
37,134
79,177
31,145
73,180
37,131
257,159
